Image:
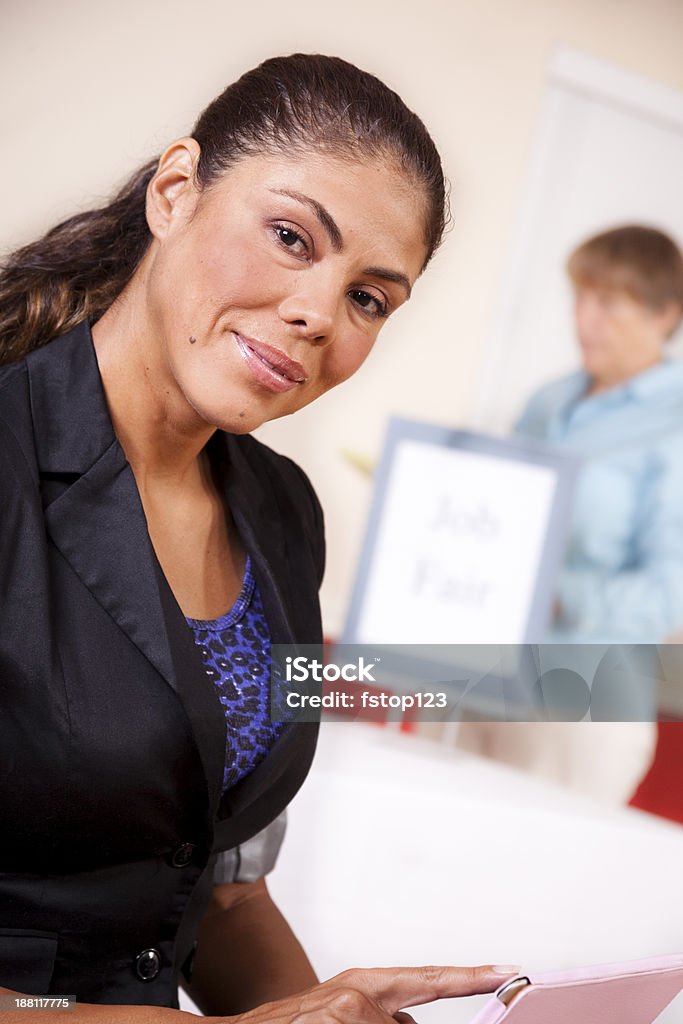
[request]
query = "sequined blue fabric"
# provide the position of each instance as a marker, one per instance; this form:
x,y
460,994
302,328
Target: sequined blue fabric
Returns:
x,y
235,650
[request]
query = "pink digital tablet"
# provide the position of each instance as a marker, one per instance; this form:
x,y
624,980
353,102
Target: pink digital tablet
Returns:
x,y
633,992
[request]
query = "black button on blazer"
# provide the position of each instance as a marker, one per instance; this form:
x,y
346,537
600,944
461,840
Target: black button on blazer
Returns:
x,y
112,736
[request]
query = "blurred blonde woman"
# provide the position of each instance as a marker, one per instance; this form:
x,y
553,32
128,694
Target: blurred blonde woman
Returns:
x,y
622,582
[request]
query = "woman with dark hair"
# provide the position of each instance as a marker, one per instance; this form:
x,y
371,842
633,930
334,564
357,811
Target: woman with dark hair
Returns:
x,y
232,281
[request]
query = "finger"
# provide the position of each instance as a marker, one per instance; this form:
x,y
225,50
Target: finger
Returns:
x,y
404,1018
396,987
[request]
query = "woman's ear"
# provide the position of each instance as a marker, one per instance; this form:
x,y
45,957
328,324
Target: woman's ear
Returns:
x,y
172,194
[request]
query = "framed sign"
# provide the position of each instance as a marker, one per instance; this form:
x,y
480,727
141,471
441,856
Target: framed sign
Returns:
x,y
464,541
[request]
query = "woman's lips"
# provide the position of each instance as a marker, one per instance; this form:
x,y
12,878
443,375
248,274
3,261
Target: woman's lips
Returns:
x,y
270,366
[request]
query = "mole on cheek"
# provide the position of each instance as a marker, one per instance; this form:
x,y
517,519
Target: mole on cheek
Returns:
x,y
242,414
192,340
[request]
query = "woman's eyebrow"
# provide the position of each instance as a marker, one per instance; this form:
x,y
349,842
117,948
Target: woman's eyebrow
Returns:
x,y
334,234
325,218
390,275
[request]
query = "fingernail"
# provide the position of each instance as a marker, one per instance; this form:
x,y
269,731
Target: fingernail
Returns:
x,y
506,969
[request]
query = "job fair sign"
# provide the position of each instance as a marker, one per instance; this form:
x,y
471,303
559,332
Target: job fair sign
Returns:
x,y
465,539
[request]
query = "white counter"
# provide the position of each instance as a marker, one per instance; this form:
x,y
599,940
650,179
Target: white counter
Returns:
x,y
402,852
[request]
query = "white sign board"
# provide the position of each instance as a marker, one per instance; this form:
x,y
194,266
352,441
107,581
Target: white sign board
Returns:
x,y
464,542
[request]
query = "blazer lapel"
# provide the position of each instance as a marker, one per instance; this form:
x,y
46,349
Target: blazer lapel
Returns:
x,y
97,521
254,508
94,516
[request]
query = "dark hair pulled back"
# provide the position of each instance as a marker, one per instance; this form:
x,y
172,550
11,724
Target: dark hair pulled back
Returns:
x,y
286,104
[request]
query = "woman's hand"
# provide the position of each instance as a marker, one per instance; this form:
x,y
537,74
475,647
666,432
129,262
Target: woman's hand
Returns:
x,y
373,996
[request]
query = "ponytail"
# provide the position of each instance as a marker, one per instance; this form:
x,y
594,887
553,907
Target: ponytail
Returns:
x,y
74,271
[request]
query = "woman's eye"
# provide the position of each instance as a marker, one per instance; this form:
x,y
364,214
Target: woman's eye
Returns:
x,y
370,303
291,239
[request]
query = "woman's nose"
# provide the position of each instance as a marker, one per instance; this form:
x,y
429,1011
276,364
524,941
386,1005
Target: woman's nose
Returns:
x,y
588,315
313,311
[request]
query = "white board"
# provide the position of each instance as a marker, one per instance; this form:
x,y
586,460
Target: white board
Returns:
x,y
464,540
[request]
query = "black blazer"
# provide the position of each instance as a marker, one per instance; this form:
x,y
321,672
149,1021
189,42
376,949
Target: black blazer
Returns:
x,y
112,737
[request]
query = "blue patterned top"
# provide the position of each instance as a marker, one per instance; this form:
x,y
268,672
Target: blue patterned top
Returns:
x,y
236,654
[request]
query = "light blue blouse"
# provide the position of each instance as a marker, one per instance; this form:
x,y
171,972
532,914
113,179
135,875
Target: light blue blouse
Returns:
x,y
623,576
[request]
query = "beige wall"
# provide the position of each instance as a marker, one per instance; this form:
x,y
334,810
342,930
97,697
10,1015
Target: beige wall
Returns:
x,y
92,89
